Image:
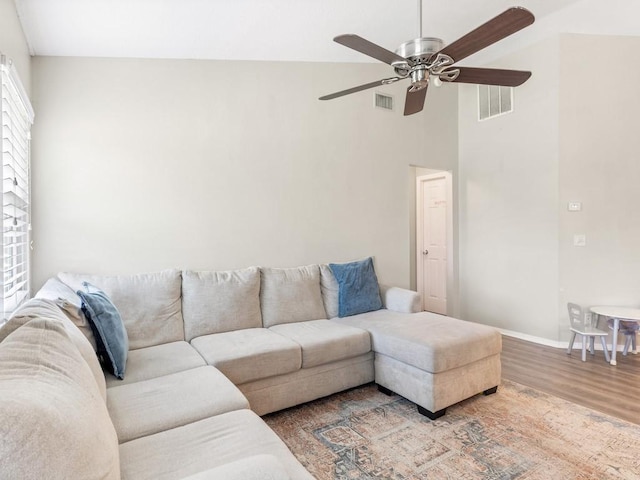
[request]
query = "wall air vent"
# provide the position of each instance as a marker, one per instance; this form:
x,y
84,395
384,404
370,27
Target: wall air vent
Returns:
x,y
494,101
383,101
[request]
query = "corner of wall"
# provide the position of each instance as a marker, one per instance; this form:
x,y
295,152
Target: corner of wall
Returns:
x,y
13,42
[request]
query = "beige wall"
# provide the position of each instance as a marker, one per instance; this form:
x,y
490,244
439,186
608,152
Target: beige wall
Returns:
x,y
140,165
600,167
148,164
13,43
572,138
442,155
508,184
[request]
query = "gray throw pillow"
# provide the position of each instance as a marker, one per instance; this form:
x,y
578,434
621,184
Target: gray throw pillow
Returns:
x,y
111,336
358,289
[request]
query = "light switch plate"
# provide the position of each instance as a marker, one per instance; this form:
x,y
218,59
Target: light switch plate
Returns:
x,y
580,240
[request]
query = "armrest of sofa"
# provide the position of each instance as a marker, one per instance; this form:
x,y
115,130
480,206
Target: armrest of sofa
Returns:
x,y
400,299
257,467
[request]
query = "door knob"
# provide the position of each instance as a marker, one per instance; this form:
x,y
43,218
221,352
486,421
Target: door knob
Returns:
x,y
425,252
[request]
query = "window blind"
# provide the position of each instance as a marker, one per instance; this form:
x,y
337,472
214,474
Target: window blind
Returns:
x,y
17,118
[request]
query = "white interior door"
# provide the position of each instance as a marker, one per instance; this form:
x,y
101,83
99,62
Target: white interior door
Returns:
x,y
432,227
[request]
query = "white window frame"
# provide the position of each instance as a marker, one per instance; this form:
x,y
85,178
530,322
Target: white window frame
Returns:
x,y
15,135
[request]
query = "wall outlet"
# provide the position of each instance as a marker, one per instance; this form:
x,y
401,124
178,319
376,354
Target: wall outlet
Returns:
x,y
574,206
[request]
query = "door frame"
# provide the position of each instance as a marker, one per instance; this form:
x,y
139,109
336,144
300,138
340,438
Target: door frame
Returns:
x,y
448,179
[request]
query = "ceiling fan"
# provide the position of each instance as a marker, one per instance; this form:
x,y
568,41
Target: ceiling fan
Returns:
x,y
425,58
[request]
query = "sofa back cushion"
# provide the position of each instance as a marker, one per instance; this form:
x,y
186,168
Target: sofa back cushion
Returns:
x,y
69,302
54,421
290,295
43,308
330,289
149,303
215,302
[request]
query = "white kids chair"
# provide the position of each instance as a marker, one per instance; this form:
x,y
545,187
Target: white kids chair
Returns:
x,y
629,328
581,326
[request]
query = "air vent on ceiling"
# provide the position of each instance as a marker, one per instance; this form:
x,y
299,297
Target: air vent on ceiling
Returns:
x,y
383,101
494,101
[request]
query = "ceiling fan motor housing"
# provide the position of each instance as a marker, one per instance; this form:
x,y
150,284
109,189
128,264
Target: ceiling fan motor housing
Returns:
x,y
420,50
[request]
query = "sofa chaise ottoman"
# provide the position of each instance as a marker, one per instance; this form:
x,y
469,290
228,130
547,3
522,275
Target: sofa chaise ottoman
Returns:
x,y
433,360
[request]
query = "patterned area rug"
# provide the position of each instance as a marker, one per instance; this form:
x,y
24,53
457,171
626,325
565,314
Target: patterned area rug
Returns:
x,y
518,433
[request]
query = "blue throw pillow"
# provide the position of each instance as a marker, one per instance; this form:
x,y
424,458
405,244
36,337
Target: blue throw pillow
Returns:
x,y
358,290
111,337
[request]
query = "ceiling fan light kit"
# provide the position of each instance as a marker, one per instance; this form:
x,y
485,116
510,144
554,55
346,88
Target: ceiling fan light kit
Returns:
x,y
424,59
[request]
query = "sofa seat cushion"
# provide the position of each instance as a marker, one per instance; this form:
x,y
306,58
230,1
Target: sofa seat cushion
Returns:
x,y
324,341
53,420
69,302
156,361
257,467
249,354
150,303
431,342
158,404
203,445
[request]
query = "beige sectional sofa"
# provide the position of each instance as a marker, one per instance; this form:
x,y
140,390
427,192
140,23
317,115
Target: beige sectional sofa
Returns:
x,y
209,353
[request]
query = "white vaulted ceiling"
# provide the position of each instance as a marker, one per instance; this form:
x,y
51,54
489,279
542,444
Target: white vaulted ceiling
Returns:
x,y
286,30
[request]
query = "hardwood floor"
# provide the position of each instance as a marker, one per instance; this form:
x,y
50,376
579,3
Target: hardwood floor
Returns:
x,y
594,383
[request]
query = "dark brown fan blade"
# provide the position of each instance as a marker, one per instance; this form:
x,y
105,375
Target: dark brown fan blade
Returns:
x,y
492,76
415,101
361,45
384,81
505,24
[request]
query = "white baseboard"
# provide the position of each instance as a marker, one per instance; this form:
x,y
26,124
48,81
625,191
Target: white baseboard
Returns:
x,y
534,339
554,343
